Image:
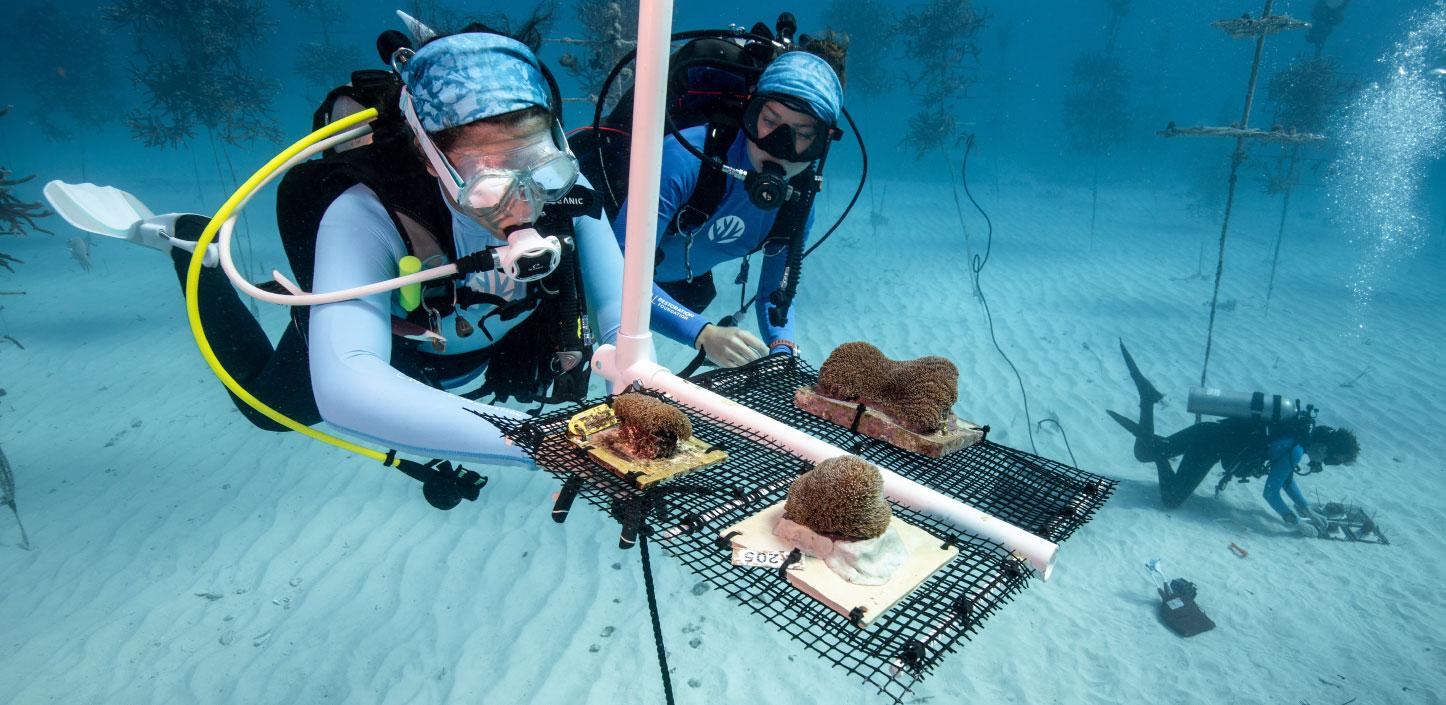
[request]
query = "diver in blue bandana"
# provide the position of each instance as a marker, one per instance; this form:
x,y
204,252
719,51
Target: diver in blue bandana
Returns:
x,y
794,108
469,166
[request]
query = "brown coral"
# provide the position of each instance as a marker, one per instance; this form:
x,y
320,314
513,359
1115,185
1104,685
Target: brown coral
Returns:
x,y
841,497
916,394
648,427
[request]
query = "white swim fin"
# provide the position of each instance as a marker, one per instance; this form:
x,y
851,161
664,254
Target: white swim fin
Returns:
x,y
109,211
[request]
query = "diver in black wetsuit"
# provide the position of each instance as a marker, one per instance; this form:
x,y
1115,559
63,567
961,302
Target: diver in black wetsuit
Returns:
x,y
1245,448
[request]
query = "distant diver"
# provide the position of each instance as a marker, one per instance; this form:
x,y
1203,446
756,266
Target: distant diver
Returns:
x,y
1261,436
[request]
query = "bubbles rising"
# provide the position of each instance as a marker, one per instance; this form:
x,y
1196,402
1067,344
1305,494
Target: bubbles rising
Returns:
x,y
1388,135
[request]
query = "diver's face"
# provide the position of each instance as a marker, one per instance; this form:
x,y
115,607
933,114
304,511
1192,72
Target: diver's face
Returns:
x,y
478,146
774,115
1320,452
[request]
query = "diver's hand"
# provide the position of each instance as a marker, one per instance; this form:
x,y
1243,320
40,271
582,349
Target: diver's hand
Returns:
x,y
1309,524
1314,518
727,346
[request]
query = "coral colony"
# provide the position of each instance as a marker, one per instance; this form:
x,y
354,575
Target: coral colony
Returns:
x,y
916,394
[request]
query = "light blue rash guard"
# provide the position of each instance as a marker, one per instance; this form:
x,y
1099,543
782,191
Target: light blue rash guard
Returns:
x,y
350,342
1285,454
736,229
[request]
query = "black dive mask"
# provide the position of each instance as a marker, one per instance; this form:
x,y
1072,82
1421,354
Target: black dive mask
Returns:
x,y
781,142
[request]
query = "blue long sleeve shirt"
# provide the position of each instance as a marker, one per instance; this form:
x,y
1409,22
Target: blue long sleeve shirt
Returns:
x,y
350,342
1285,454
735,230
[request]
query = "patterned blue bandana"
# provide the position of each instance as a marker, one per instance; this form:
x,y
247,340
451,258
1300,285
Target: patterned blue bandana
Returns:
x,y
467,77
807,77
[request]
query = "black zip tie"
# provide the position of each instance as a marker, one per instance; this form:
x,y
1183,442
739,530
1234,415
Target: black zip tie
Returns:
x,y
856,616
738,492
950,541
720,445
391,456
693,522
1092,488
794,556
725,541
964,608
914,653
984,433
858,417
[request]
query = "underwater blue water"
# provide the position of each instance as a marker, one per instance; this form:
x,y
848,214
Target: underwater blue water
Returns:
x,y
180,555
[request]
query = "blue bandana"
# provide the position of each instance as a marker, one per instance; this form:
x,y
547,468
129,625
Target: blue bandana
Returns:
x,y
807,77
467,77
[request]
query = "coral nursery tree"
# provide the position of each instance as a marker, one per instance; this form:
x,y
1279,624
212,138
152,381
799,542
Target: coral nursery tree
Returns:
x,y
868,28
323,63
1096,111
64,61
941,44
196,66
1304,94
610,31
17,216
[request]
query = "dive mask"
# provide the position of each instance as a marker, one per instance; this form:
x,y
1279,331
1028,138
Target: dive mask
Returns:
x,y
781,140
516,183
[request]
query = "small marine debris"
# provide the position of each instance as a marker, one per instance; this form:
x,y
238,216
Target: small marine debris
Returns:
x,y
695,642
7,496
13,341
227,637
1352,381
261,638
210,596
700,588
608,631
1226,305
79,251
294,582
1237,550
695,683
593,648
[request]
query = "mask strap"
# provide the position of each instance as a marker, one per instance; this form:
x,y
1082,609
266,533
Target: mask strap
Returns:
x,y
438,160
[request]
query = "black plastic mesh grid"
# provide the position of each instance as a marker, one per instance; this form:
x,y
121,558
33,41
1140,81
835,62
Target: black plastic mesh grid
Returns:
x,y
1040,495
685,515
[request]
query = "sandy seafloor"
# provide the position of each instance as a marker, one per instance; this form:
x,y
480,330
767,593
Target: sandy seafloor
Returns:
x,y
141,487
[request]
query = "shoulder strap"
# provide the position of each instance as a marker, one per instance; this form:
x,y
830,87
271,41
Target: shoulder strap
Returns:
x,y
712,183
389,170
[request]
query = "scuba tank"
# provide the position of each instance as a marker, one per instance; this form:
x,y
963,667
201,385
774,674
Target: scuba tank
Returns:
x,y
1257,406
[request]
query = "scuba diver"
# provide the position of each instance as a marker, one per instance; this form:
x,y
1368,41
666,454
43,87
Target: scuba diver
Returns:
x,y
749,187
1267,437
467,164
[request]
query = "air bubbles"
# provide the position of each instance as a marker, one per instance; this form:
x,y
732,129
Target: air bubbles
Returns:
x,y
1389,135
